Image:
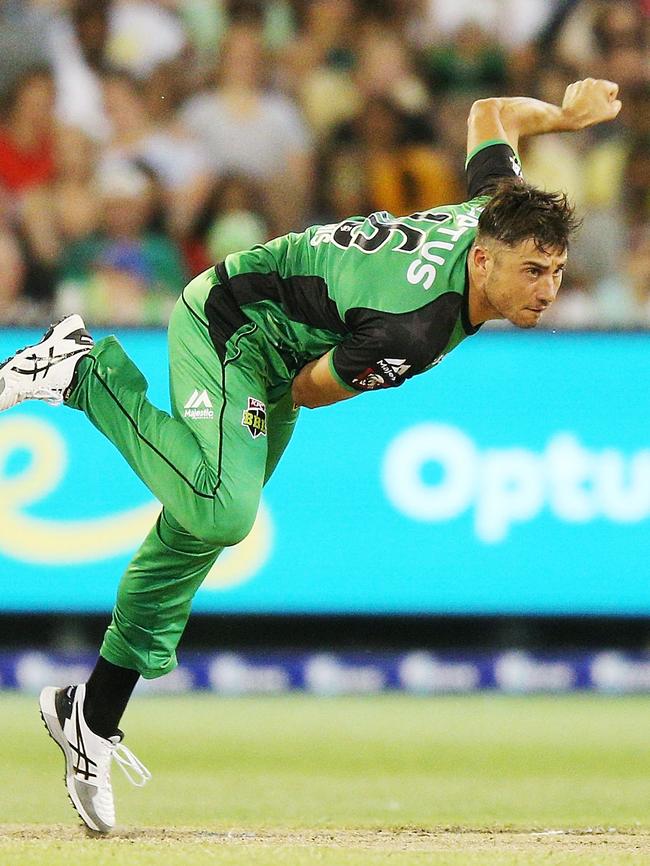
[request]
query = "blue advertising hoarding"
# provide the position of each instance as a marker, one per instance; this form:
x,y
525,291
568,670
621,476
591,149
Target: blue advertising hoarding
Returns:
x,y
513,478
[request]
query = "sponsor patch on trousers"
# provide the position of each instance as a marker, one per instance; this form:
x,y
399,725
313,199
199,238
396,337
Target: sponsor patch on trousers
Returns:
x,y
199,406
254,417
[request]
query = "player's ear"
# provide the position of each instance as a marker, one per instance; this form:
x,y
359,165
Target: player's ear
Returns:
x,y
482,258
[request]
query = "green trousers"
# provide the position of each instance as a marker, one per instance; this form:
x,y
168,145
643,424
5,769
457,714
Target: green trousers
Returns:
x,y
206,464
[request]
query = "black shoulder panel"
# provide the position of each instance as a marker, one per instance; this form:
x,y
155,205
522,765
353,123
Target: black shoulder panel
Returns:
x,y
385,349
490,165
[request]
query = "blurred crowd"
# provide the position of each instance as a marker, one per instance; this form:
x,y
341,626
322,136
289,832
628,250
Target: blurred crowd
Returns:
x,y
141,141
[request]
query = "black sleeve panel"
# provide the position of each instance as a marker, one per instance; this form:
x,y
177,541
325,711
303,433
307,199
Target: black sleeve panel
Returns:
x,y
490,165
385,349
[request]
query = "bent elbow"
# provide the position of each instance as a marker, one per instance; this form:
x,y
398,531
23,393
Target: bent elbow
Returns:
x,y
488,107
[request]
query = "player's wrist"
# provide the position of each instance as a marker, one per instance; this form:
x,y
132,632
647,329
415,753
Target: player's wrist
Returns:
x,y
570,120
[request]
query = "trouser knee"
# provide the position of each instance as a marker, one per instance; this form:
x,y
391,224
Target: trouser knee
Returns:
x,y
220,522
224,529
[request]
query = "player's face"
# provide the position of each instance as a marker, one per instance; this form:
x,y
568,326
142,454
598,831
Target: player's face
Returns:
x,y
524,281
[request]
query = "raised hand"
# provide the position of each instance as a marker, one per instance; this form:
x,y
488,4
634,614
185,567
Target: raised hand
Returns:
x,y
591,101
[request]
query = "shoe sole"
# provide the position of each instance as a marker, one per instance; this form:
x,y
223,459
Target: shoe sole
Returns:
x,y
60,331
72,323
54,729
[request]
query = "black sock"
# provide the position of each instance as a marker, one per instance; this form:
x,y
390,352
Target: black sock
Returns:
x,y
107,693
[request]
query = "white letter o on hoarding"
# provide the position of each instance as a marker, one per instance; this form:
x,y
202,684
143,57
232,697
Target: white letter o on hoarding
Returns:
x,y
402,477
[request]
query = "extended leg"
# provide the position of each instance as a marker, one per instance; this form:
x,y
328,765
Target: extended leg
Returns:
x,y
181,458
220,439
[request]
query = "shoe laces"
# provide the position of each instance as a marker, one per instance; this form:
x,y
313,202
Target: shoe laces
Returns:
x,y
134,770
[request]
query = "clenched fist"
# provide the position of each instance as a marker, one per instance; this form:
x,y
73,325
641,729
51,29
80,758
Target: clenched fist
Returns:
x,y
590,101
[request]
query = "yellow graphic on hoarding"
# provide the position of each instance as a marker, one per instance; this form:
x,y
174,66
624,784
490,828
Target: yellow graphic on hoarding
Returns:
x,y
50,541
45,540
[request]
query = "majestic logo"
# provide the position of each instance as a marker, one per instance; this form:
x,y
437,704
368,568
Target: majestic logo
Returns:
x,y
199,407
254,417
386,372
393,368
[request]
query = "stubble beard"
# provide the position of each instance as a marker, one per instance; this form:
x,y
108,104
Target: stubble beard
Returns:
x,y
517,317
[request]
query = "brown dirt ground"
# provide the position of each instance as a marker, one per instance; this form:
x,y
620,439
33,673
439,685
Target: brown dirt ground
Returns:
x,y
405,839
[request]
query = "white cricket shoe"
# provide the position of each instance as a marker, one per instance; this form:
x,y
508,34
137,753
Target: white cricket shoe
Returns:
x,y
87,757
44,371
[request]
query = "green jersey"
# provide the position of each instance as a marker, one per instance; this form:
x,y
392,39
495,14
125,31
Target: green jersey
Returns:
x,y
388,294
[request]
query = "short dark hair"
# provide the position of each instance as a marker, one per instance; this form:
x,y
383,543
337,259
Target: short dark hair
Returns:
x,y
518,211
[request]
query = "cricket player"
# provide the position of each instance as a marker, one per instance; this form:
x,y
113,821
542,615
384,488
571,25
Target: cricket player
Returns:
x,y
304,320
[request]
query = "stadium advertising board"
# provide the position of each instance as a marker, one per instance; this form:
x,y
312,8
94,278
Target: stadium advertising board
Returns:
x,y
336,673
514,478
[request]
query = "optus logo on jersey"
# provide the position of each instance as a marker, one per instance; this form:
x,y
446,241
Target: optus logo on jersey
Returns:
x,y
507,486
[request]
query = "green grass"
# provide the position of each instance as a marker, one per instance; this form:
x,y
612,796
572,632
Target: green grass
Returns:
x,y
303,780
